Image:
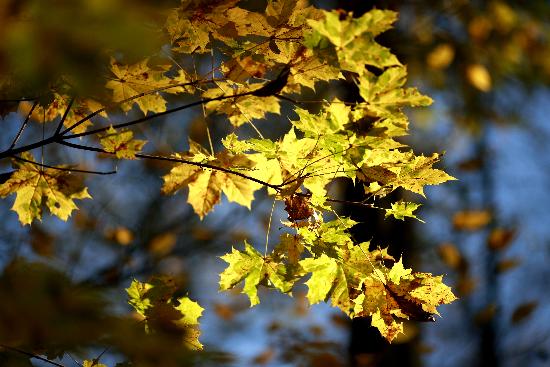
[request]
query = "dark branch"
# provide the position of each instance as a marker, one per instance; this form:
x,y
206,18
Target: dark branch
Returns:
x,y
179,160
101,110
23,125
60,137
31,355
64,168
69,105
150,117
23,99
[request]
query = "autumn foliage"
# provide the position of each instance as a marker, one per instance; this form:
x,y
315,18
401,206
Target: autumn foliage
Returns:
x,y
262,63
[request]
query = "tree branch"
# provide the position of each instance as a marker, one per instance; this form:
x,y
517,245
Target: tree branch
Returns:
x,y
65,168
60,137
158,114
178,160
31,355
95,113
23,125
64,117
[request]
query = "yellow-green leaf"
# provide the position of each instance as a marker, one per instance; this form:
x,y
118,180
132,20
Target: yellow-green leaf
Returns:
x,y
122,143
36,187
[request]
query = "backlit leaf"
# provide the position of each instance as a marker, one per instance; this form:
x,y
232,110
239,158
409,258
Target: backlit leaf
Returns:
x,y
122,143
36,187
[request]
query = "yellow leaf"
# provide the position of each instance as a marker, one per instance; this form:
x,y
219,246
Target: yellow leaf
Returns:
x,y
57,107
206,184
36,187
131,80
205,192
450,255
121,235
388,328
92,363
121,143
162,244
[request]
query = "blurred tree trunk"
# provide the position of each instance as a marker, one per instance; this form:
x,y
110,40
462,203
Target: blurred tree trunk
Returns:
x,y
367,348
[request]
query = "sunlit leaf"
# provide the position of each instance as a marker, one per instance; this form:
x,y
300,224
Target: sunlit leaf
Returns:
x,y
36,187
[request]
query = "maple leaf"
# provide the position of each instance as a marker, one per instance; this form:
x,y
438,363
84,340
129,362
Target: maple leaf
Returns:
x,y
93,363
80,109
357,282
154,301
131,80
121,143
240,110
385,95
345,34
249,265
36,187
306,67
417,173
402,209
206,185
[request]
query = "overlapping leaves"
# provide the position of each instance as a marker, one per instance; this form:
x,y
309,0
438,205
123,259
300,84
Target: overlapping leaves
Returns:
x,y
156,302
351,276
206,184
336,139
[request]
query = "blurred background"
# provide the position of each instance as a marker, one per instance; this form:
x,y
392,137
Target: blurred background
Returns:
x,y
487,66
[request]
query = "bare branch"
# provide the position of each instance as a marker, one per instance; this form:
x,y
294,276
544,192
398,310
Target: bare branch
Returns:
x,y
95,113
64,117
158,114
31,355
179,160
65,168
23,125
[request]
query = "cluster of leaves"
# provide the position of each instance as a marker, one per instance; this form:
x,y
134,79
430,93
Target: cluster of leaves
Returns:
x,y
296,48
48,314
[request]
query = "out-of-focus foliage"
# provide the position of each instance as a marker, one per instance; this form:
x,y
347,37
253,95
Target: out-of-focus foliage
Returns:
x,y
44,40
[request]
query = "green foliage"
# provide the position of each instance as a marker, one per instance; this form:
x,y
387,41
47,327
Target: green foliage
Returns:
x,y
293,47
402,209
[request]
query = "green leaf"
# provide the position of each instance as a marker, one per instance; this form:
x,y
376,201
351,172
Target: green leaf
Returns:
x,y
402,209
324,272
353,38
249,265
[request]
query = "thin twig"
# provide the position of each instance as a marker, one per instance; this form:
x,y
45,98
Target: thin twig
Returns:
x,y
158,114
101,110
60,137
23,125
23,99
64,168
64,117
178,160
31,355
